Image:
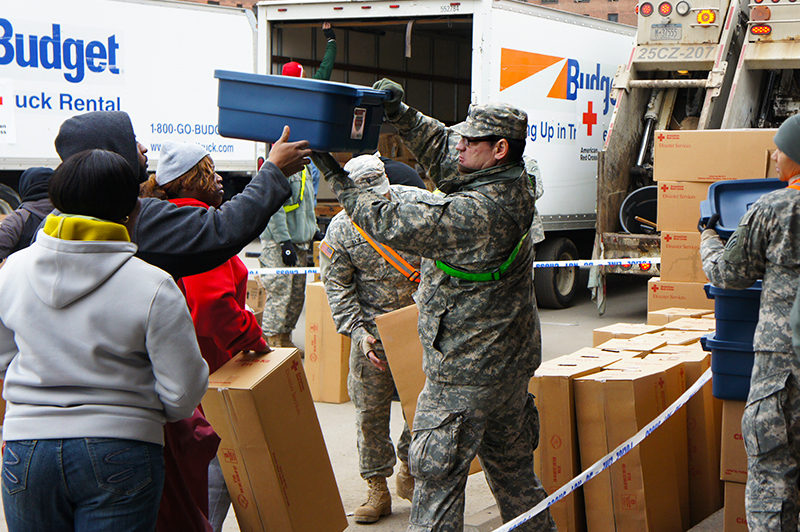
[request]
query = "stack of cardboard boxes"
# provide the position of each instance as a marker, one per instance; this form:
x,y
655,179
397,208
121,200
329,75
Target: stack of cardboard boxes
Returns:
x,y
597,398
733,466
686,163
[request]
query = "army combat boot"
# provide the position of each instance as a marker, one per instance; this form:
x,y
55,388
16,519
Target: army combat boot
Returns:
x,y
404,482
379,502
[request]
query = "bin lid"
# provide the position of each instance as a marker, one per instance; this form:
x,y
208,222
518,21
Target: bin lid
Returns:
x,y
749,292
289,82
731,199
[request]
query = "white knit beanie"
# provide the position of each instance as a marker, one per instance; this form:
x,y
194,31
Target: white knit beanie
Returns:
x,y
176,159
368,172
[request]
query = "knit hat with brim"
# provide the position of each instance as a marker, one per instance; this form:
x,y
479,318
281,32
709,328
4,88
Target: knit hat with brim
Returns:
x,y
176,159
787,139
368,172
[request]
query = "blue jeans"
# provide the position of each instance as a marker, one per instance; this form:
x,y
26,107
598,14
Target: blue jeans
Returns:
x,y
83,484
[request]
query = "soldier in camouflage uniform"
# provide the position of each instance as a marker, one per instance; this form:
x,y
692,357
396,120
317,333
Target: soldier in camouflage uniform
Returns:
x,y
766,245
360,285
478,323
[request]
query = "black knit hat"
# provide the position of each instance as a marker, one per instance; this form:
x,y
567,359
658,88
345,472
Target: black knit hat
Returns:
x,y
103,130
787,139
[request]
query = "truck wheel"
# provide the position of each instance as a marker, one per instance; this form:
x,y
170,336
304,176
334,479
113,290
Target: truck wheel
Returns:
x,y
556,287
9,199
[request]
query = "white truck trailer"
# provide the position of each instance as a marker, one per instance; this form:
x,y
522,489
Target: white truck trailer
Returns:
x,y
557,66
154,59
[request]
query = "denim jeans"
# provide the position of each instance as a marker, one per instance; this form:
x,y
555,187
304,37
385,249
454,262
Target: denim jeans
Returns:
x,y
82,484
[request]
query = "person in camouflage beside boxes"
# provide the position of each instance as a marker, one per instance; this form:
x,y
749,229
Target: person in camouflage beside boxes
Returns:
x,y
478,321
363,279
766,245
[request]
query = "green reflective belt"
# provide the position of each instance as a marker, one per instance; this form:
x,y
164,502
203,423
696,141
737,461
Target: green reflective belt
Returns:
x,y
495,275
290,208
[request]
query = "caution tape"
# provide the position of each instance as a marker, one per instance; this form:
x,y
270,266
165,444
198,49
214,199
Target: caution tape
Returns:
x,y
605,462
537,264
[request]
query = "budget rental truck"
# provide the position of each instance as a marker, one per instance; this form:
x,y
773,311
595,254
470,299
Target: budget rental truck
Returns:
x,y
557,66
154,59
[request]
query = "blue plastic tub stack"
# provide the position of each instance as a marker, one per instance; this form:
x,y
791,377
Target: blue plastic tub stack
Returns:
x,y
731,346
333,117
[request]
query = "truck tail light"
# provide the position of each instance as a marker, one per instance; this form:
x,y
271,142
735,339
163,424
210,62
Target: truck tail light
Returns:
x,y
761,29
664,9
259,162
644,267
683,8
646,9
760,13
706,17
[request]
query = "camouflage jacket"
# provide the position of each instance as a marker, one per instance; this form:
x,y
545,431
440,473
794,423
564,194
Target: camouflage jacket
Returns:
x,y
472,332
361,284
766,246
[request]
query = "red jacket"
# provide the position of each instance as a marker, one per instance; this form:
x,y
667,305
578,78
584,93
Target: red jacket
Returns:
x,y
216,300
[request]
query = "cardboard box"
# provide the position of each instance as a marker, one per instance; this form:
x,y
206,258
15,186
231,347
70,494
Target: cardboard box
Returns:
x,y
401,343
733,458
680,257
641,344
703,431
667,315
676,337
679,205
691,324
734,518
327,358
621,330
557,460
642,488
256,297
712,154
668,294
273,455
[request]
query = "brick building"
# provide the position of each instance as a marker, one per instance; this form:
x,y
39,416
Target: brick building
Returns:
x,y
617,10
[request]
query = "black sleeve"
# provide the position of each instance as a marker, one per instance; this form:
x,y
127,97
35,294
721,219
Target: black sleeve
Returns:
x,y
190,240
401,174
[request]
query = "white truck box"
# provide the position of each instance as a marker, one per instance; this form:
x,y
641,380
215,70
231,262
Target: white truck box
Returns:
x,y
154,59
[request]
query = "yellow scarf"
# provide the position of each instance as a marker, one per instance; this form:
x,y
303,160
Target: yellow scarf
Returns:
x,y
75,227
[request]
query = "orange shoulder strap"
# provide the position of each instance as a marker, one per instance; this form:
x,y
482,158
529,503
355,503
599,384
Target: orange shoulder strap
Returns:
x,y
391,256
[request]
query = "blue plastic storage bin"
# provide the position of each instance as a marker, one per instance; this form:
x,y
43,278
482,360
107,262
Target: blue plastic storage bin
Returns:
x,y
333,117
731,366
731,199
736,312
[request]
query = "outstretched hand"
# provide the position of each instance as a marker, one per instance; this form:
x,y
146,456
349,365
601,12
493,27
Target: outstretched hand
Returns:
x,y
290,157
326,164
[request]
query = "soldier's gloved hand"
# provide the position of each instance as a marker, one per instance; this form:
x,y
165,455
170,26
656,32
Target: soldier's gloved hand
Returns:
x,y
391,107
288,253
710,224
327,164
318,236
367,346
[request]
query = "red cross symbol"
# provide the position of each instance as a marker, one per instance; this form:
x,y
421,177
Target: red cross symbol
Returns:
x,y
668,238
661,383
294,365
654,288
660,137
1,100
590,119
664,188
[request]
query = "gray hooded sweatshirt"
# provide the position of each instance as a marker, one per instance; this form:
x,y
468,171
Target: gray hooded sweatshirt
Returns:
x,y
94,342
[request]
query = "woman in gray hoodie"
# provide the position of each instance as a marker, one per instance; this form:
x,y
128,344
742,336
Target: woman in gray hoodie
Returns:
x,y
98,351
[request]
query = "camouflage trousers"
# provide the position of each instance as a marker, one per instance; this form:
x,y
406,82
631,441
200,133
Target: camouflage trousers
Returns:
x,y
771,432
452,424
286,294
371,391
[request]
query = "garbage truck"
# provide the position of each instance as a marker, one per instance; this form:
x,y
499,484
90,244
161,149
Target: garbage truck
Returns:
x,y
715,64
154,59
557,66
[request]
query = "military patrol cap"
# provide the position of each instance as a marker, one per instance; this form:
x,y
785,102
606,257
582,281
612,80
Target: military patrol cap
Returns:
x,y
494,119
787,139
368,172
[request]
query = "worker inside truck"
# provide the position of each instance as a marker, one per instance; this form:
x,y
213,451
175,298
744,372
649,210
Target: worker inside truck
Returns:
x,y
766,245
478,322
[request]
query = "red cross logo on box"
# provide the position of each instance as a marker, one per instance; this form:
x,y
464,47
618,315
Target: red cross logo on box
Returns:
x,y
654,288
660,137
